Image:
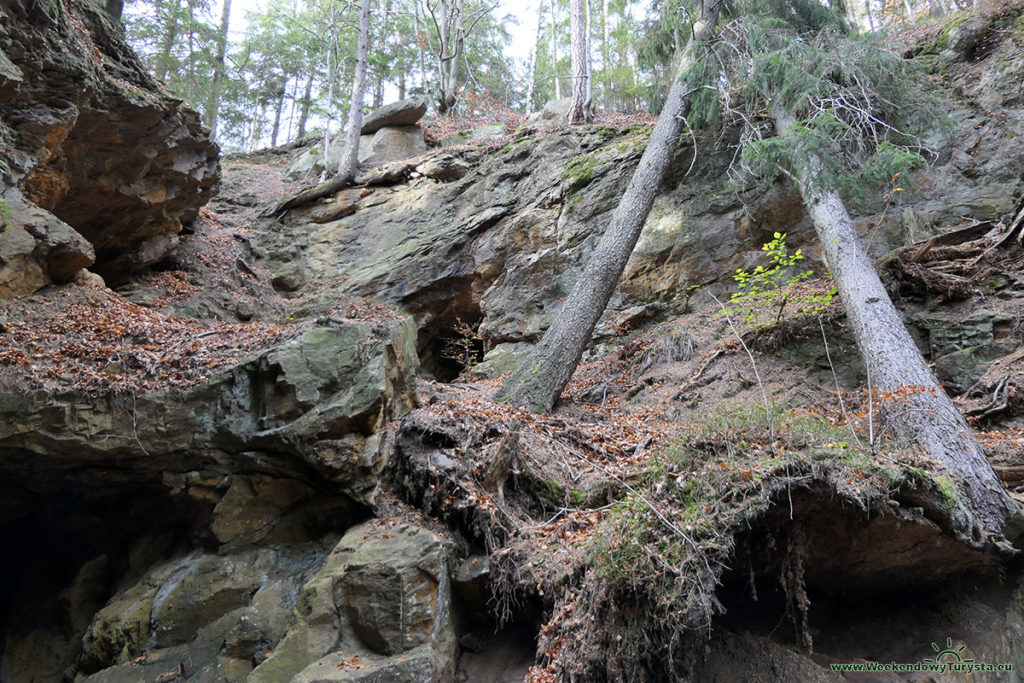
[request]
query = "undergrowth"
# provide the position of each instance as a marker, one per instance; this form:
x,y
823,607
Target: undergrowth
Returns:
x,y
646,594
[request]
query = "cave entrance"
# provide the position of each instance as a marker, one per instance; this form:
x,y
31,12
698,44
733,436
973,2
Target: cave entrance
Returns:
x,y
453,350
449,318
74,544
833,583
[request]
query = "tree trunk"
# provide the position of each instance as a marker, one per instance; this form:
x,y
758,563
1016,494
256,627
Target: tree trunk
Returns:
x,y
421,53
213,104
307,100
554,52
588,102
539,380
163,61
378,88
532,74
279,95
114,8
332,52
606,69
923,412
349,164
578,110
191,83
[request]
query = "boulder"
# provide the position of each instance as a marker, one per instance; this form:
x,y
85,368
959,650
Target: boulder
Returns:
x,y
378,610
965,36
306,163
214,611
94,140
391,144
396,587
444,167
493,130
36,247
314,401
552,114
402,113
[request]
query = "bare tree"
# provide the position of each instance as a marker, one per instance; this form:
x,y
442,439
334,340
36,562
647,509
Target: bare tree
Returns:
x,y
554,51
452,20
539,380
532,77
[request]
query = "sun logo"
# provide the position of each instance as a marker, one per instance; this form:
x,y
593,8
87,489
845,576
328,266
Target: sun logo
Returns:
x,y
949,651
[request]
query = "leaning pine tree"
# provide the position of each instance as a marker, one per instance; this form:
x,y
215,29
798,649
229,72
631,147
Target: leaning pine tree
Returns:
x,y
538,381
836,115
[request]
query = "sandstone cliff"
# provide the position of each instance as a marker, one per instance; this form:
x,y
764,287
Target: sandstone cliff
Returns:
x,y
274,457
100,166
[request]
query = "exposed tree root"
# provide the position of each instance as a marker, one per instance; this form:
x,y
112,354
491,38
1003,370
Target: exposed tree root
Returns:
x,y
627,596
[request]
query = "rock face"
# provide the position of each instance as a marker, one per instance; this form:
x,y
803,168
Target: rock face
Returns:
x,y
209,507
382,591
37,248
92,140
402,113
496,241
494,130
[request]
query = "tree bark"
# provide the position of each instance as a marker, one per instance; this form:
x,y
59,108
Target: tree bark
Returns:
x,y
578,110
213,104
332,52
114,8
349,164
278,107
532,77
307,100
163,61
606,67
923,412
539,380
554,52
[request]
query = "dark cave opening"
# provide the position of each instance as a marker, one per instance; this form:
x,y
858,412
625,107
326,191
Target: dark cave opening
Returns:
x,y
451,343
836,583
75,544
451,353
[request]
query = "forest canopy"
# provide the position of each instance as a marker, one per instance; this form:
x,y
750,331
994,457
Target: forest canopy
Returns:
x,y
265,73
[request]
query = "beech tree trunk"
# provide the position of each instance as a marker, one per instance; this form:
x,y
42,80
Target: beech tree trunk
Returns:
x,y
349,164
539,380
922,411
579,111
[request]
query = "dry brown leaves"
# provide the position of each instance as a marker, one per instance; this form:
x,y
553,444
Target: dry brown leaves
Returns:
x,y
90,339
365,311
